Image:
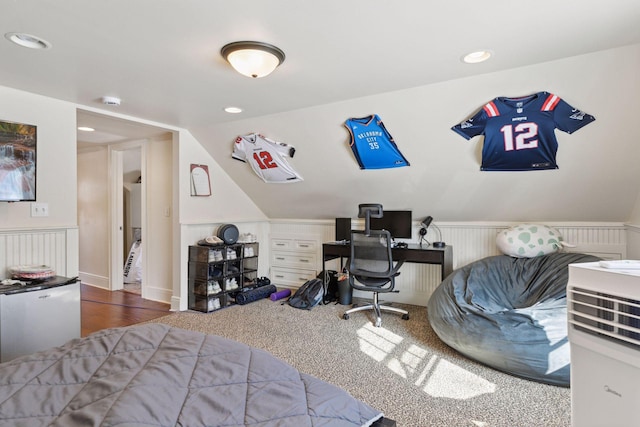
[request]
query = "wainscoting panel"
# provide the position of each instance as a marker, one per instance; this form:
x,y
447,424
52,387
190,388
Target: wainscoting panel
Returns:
x,y
50,247
416,283
471,242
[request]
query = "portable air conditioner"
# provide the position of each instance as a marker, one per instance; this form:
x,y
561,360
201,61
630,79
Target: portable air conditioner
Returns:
x,y
604,335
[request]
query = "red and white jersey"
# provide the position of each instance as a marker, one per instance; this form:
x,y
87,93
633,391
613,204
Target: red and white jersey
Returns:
x,y
266,158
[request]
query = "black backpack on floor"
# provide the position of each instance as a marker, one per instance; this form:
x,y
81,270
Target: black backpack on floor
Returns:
x,y
308,295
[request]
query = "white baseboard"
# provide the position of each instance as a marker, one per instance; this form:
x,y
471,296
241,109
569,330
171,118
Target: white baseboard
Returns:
x,y
94,280
157,294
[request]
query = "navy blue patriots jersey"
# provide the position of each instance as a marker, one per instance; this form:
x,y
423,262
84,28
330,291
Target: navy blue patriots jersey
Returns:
x,y
372,145
519,133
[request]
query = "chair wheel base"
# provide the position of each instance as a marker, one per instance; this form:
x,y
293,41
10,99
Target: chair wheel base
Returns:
x,y
345,316
405,317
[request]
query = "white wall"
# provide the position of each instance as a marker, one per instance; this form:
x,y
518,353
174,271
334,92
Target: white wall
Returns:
x,y
56,159
157,232
93,216
227,203
598,179
201,216
57,164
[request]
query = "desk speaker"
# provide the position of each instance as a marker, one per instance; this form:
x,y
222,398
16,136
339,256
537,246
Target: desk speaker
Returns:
x,y
343,229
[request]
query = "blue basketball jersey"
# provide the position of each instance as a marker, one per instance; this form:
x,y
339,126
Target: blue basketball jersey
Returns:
x,y
372,145
519,133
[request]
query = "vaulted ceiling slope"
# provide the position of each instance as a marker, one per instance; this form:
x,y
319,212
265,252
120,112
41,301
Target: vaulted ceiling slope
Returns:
x,y
348,59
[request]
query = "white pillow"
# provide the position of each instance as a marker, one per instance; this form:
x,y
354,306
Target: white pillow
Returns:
x,y
529,240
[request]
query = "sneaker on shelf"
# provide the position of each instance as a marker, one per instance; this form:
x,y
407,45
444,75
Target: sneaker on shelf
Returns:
x,y
215,303
231,284
215,255
215,272
247,238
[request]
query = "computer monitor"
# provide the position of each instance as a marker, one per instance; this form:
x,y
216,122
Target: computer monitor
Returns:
x,y
397,223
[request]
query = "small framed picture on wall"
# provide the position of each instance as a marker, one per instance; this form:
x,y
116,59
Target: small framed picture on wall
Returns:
x,y
200,181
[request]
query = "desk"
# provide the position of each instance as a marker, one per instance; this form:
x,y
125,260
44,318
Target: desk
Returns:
x,y
413,253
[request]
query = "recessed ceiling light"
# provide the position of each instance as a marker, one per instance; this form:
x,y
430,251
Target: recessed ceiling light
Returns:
x,y
85,128
28,40
233,110
477,56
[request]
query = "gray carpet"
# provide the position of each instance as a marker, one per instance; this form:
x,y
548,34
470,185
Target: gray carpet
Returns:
x,y
402,368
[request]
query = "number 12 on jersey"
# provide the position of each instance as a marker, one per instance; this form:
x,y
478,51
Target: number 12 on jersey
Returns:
x,y
524,132
264,160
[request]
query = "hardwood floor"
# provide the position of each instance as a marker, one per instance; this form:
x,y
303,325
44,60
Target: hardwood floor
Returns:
x,y
102,309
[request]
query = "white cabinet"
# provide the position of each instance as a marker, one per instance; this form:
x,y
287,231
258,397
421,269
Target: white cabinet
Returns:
x,y
294,259
36,320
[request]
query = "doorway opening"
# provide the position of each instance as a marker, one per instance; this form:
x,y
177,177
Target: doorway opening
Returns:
x,y
112,205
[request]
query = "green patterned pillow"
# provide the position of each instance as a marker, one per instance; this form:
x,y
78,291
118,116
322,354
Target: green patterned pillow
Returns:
x,y
529,240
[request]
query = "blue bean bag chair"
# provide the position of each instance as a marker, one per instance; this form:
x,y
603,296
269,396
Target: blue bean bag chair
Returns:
x,y
509,313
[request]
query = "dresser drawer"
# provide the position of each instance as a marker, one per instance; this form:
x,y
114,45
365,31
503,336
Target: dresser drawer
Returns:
x,y
306,245
293,244
282,244
291,277
293,259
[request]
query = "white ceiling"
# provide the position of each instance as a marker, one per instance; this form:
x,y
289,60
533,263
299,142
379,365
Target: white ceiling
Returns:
x,y
162,57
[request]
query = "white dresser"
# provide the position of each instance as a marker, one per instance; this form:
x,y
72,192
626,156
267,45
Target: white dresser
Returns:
x,y
294,259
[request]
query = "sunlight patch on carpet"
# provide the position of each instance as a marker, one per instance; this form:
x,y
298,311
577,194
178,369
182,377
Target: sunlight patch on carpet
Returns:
x,y
377,343
451,381
436,376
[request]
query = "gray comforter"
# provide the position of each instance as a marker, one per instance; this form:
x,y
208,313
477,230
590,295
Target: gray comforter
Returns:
x,y
156,375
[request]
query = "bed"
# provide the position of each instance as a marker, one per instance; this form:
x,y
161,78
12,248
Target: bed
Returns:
x,y
509,313
157,375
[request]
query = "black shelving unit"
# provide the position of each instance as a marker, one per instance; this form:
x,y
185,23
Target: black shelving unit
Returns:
x,y
217,273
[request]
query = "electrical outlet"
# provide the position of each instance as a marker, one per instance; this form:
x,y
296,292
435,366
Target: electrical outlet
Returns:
x,y
39,209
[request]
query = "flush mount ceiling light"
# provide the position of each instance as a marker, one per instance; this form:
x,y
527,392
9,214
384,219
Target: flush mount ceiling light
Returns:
x,y
477,56
110,100
28,40
233,110
253,59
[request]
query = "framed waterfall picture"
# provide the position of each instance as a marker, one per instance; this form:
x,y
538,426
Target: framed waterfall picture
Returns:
x,y
17,162
200,182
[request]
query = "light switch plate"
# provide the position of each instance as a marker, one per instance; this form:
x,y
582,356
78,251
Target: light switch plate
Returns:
x,y
39,209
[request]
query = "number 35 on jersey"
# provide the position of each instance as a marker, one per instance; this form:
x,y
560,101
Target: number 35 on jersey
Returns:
x,y
519,133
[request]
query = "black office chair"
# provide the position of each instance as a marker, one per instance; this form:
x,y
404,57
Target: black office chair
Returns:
x,y
371,265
